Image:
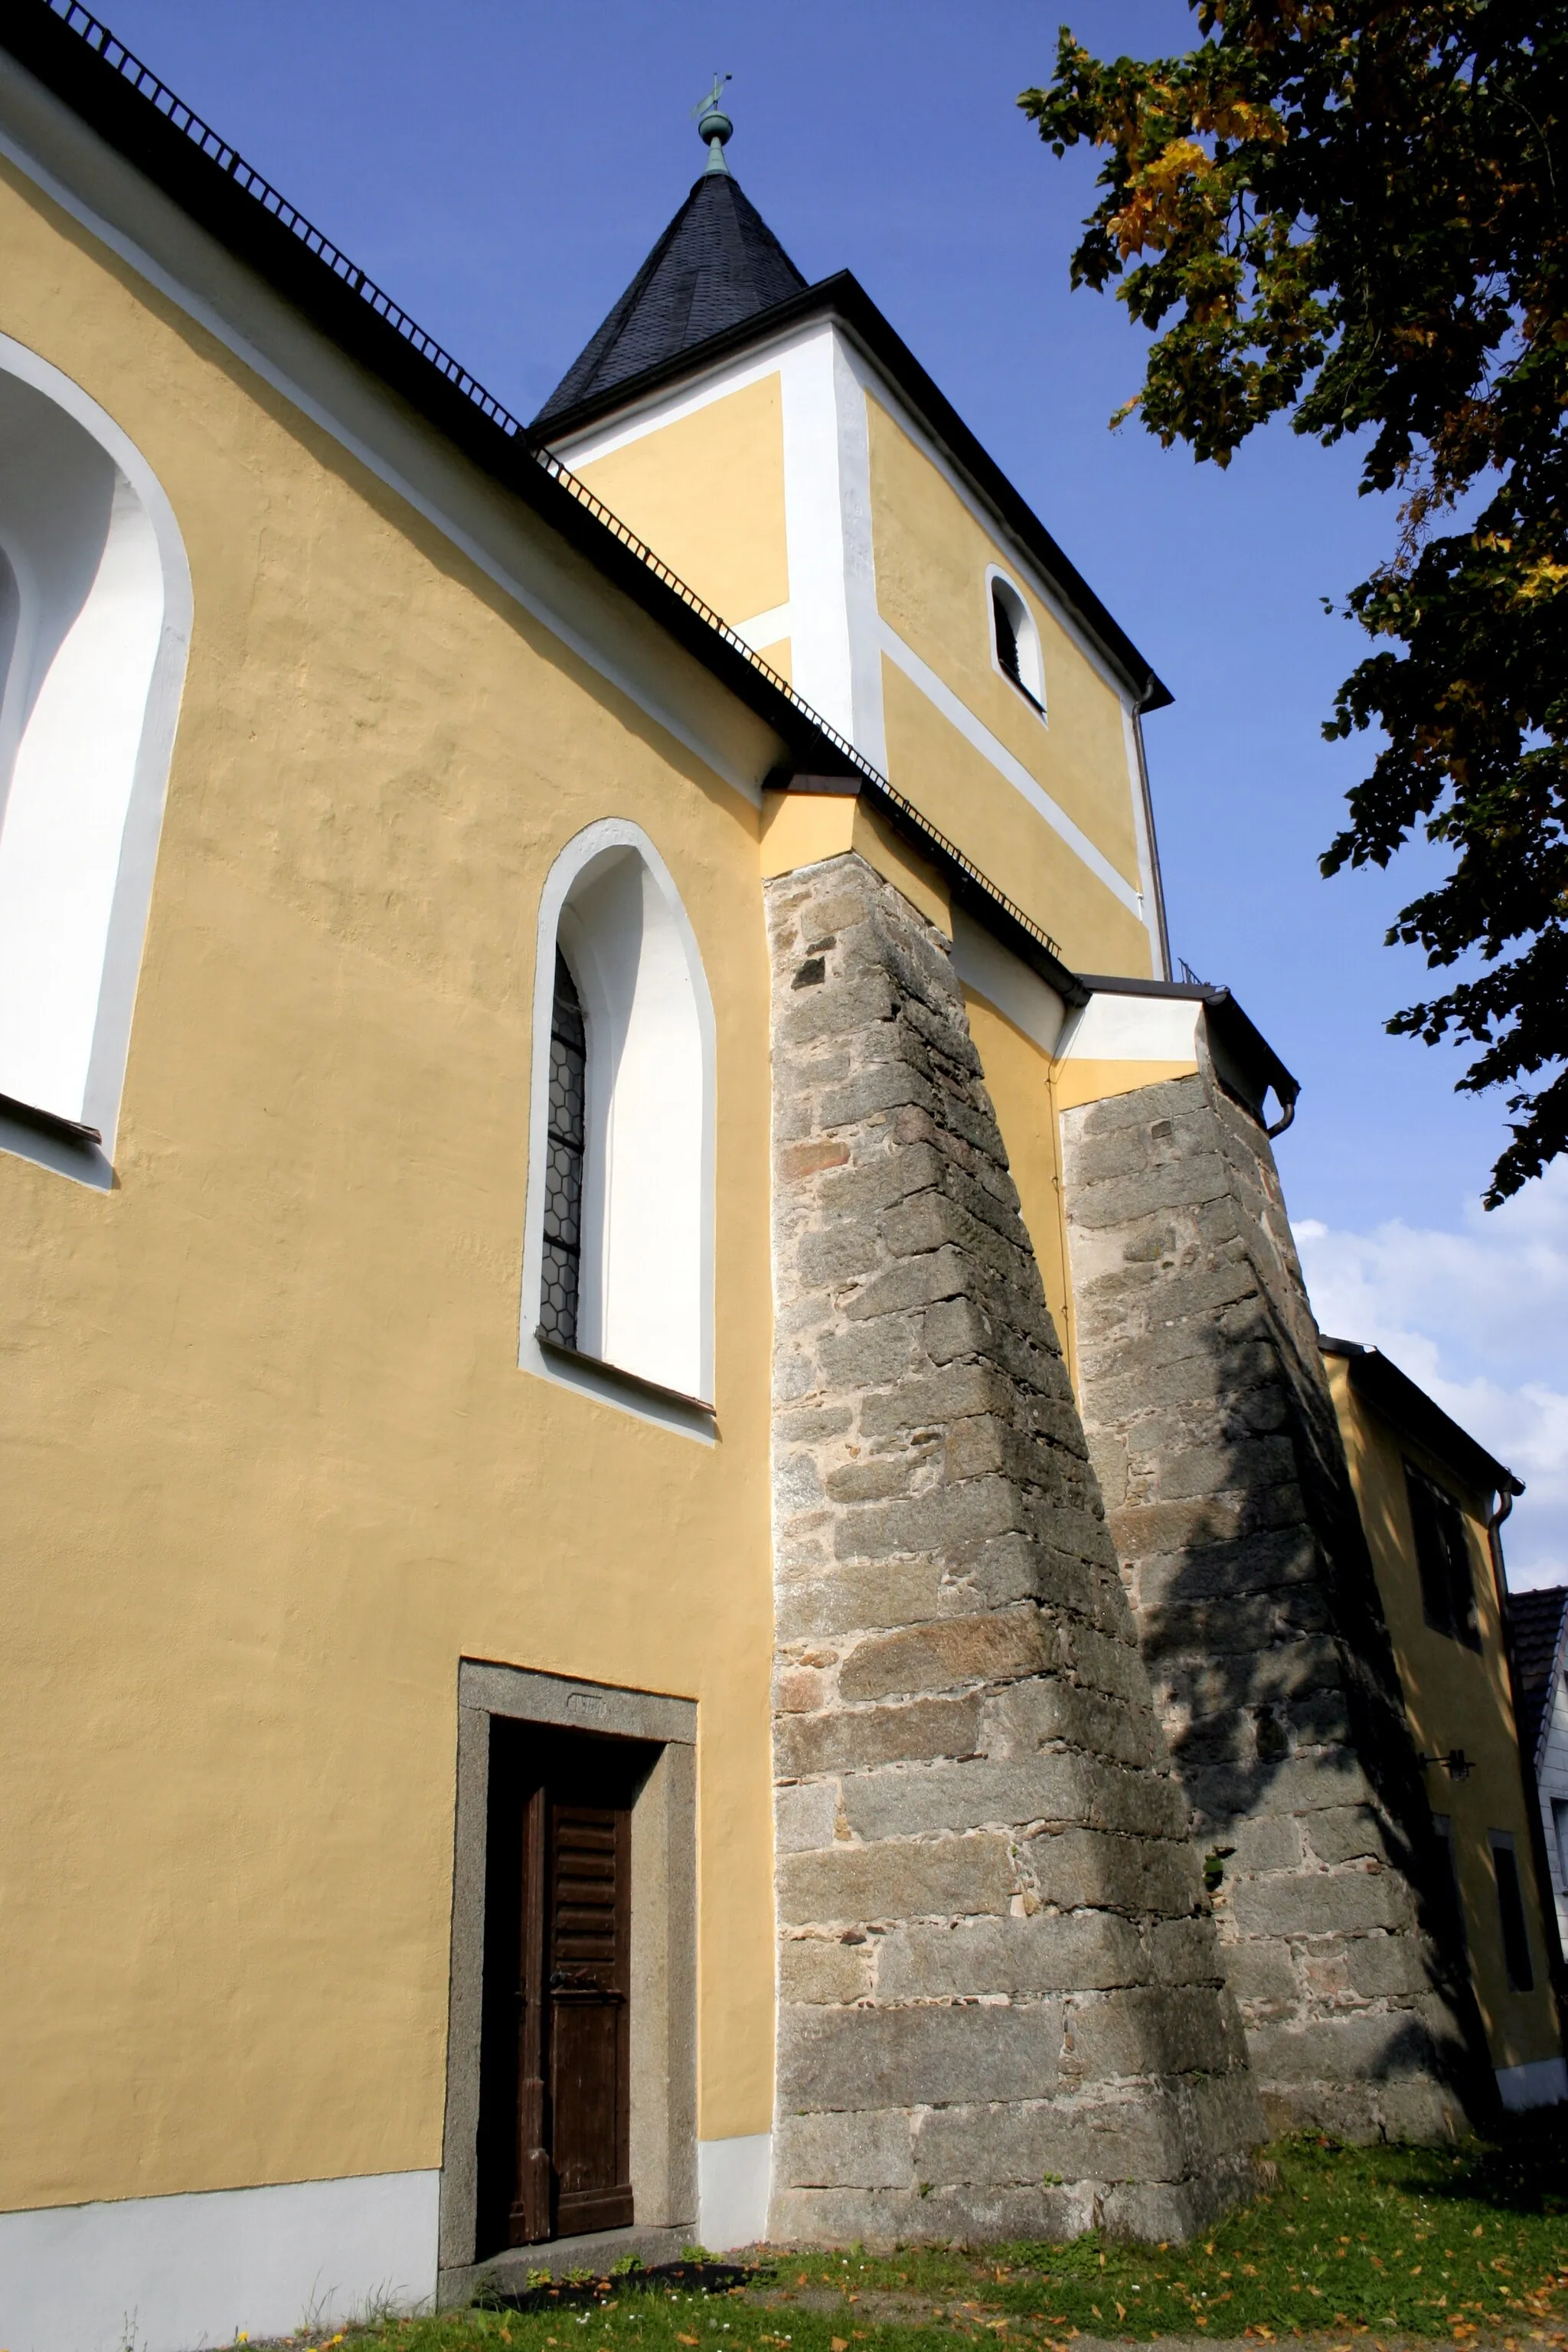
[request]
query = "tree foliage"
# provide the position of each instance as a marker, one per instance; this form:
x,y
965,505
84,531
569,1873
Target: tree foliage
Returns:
x,y
1351,212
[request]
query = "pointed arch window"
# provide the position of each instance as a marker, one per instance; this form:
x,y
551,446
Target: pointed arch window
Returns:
x,y
95,600
619,1254
1017,641
561,1275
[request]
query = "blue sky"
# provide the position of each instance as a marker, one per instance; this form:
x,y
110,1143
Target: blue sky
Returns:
x,y
502,167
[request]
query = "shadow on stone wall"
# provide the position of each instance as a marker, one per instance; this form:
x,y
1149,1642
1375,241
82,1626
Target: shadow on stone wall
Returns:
x,y
1003,2010
1211,1426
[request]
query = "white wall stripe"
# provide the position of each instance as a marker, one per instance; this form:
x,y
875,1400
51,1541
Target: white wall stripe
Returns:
x,y
764,628
960,716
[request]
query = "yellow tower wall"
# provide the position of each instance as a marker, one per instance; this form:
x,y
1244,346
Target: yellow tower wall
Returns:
x,y
933,556
706,491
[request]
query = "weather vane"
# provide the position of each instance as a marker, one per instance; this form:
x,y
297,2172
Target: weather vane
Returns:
x,y
715,125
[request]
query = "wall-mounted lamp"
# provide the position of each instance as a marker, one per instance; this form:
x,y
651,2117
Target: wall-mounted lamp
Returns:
x,y
1456,1764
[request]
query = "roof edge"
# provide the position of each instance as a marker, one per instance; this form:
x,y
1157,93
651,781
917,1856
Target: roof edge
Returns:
x,y
75,57
844,298
1245,1040
1402,1402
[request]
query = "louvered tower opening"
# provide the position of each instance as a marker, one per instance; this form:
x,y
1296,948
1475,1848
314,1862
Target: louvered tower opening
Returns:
x,y
1018,652
1006,636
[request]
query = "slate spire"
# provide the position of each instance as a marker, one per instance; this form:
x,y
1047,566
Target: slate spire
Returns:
x,y
717,263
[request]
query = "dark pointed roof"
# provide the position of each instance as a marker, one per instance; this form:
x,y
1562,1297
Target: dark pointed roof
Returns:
x,y
716,264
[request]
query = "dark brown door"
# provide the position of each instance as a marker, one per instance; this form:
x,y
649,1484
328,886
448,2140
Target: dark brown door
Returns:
x,y
555,2107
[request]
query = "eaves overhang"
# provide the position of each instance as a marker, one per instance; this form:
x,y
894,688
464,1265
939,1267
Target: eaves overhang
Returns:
x,y
1407,1407
844,302
1247,1064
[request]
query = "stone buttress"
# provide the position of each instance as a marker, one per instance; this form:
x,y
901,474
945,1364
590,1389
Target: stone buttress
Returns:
x,y
1002,2009
1211,1427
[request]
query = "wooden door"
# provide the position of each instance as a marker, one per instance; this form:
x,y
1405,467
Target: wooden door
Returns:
x,y
555,2091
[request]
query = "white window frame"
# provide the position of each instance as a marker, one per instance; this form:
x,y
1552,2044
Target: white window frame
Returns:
x,y
619,1274
1031,658
95,1097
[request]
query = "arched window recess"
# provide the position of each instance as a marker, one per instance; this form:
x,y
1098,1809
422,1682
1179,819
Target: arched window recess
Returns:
x,y
1015,642
617,1264
95,611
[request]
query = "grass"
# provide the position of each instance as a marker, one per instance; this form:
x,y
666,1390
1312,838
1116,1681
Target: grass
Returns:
x,y
1463,2245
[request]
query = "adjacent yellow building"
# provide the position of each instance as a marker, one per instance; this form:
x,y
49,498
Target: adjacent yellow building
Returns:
x,y
1432,1502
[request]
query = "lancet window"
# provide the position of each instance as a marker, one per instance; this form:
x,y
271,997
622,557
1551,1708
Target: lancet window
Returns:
x,y
618,1268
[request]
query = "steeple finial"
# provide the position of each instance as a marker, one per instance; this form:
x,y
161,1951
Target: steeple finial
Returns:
x,y
715,127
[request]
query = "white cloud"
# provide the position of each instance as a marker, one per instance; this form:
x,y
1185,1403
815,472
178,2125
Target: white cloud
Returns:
x,y
1479,1319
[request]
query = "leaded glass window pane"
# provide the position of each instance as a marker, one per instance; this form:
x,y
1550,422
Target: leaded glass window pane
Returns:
x,y
563,1171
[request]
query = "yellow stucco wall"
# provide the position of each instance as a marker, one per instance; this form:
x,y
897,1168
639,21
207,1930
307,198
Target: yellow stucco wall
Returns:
x,y
272,1467
1455,1697
707,491
1018,1077
1078,1080
958,789
931,557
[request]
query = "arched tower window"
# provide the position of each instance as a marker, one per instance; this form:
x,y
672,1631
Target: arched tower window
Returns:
x,y
94,623
1017,642
618,1272
559,1281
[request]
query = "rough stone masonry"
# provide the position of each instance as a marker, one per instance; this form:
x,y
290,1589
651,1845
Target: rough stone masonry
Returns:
x,y
1002,2007
1213,1435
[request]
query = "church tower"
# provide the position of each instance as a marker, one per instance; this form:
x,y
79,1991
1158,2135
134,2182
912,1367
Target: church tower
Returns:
x,y
1016,1167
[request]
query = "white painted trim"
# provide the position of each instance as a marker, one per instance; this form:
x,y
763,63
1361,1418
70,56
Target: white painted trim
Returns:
x,y
767,628
959,715
594,846
1538,2082
867,729
168,2273
821,665
1112,1028
668,405
588,648
125,932
734,2179
835,658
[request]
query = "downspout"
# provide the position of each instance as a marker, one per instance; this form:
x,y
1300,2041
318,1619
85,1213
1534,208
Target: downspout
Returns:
x,y
1154,875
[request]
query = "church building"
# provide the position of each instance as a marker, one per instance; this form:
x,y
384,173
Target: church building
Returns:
x,y
679,1565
